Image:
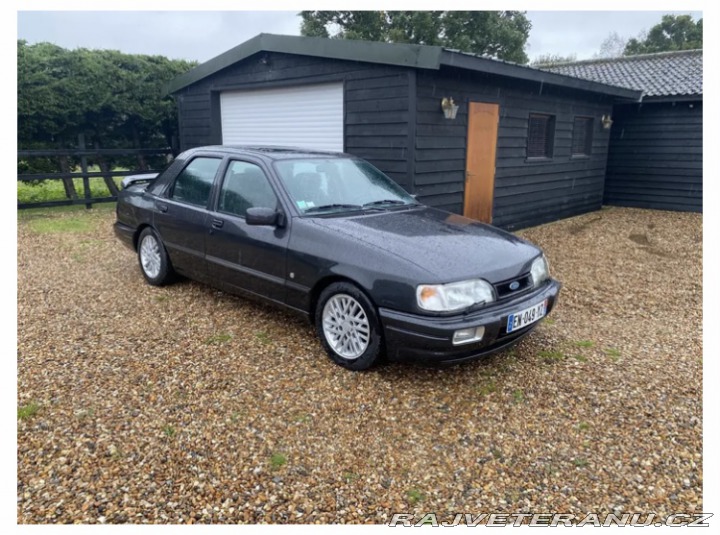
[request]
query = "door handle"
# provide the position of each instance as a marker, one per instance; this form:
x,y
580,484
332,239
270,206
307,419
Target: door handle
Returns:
x,y
162,207
217,223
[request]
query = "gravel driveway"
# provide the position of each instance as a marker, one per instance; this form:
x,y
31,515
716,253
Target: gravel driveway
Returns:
x,y
184,404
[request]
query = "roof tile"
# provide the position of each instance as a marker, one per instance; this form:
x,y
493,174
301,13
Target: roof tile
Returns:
x,y
656,75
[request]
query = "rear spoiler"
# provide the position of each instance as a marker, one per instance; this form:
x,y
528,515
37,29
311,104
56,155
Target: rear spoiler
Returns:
x,y
138,179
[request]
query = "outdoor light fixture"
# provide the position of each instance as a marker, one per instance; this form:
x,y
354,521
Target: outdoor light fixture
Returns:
x,y
449,108
606,121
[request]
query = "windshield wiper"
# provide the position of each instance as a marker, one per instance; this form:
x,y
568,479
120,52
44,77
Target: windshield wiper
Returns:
x,y
386,201
332,206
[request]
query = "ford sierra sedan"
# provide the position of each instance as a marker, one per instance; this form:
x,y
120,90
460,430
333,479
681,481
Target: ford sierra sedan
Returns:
x,y
330,236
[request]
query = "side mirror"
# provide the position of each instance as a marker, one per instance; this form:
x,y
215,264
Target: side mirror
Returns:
x,y
261,215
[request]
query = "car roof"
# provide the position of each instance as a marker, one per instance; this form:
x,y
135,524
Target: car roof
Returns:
x,y
270,152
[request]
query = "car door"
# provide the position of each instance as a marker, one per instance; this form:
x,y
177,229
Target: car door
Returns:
x,y
244,257
181,216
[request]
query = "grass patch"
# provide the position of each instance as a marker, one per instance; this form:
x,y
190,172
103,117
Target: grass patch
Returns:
x,y
60,225
53,190
28,411
518,396
29,214
551,356
580,463
486,388
277,461
84,414
415,496
612,353
218,339
349,477
263,337
169,431
549,321
584,343
583,426
303,418
580,358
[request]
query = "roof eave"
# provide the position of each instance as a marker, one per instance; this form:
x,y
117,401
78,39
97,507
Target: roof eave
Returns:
x,y
474,63
673,98
405,55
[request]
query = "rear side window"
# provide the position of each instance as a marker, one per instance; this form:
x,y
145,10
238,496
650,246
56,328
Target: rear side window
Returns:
x,y
194,183
245,186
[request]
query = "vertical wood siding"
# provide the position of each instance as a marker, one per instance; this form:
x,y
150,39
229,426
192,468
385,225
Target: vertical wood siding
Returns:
x,y
376,104
526,192
393,119
655,158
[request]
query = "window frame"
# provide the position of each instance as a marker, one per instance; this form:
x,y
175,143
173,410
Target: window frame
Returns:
x,y
589,135
171,190
221,183
549,139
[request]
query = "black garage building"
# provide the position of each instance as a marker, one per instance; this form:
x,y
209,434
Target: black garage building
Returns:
x,y
655,156
525,146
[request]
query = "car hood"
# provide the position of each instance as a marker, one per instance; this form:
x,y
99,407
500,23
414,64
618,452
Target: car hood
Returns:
x,y
448,246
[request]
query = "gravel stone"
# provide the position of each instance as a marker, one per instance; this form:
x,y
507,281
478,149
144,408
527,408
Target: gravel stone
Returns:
x,y
183,404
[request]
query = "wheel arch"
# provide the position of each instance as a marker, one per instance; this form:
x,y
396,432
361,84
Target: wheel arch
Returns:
x,y
139,231
326,281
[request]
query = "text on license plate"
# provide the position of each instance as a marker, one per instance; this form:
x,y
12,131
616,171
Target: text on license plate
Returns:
x,y
525,317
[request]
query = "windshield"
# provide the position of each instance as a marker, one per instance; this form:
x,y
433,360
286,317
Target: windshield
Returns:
x,y
332,185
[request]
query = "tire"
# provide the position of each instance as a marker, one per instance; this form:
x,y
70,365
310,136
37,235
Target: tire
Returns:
x,y
153,259
355,344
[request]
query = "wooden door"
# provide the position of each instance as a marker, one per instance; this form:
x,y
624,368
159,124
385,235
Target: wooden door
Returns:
x,y
480,162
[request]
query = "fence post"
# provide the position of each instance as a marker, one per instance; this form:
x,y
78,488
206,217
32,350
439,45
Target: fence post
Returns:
x,y
84,169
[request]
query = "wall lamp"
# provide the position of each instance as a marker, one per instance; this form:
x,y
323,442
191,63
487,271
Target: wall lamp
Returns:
x,y
449,108
606,121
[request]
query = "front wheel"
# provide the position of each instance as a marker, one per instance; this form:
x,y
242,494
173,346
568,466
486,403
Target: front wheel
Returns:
x,y
348,327
153,258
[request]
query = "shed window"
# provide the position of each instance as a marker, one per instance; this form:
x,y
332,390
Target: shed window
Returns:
x,y
582,136
541,133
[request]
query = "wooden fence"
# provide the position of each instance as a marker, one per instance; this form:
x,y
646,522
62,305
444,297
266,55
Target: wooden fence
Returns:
x,y
82,153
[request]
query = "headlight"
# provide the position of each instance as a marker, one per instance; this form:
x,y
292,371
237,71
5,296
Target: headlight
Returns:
x,y
454,296
539,271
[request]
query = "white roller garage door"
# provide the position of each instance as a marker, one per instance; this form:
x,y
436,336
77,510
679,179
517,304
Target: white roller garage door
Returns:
x,y
310,117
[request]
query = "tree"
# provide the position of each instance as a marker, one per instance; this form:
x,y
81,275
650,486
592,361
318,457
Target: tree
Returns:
x,y
612,47
674,32
500,34
114,99
548,60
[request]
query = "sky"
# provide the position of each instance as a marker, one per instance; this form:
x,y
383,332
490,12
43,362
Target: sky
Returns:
x,y
201,35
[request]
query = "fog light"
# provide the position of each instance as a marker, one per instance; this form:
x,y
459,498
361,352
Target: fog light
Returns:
x,y
465,336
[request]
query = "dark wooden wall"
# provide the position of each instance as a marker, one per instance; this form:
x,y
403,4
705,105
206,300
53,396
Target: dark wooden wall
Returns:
x,y
526,192
376,104
393,119
655,157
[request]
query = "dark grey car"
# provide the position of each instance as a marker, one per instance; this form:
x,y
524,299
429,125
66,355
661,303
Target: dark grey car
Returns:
x,y
331,237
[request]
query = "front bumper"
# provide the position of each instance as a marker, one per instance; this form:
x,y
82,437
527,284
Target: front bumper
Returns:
x,y
429,338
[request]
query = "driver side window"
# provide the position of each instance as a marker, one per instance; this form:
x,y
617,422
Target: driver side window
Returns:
x,y
245,186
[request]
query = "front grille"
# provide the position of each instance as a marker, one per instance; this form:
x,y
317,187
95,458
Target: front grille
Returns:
x,y
503,291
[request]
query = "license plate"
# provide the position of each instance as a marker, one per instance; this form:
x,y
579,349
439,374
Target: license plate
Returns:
x,y
521,319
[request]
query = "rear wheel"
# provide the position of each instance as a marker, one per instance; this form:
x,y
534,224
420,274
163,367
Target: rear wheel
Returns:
x,y
153,258
348,327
